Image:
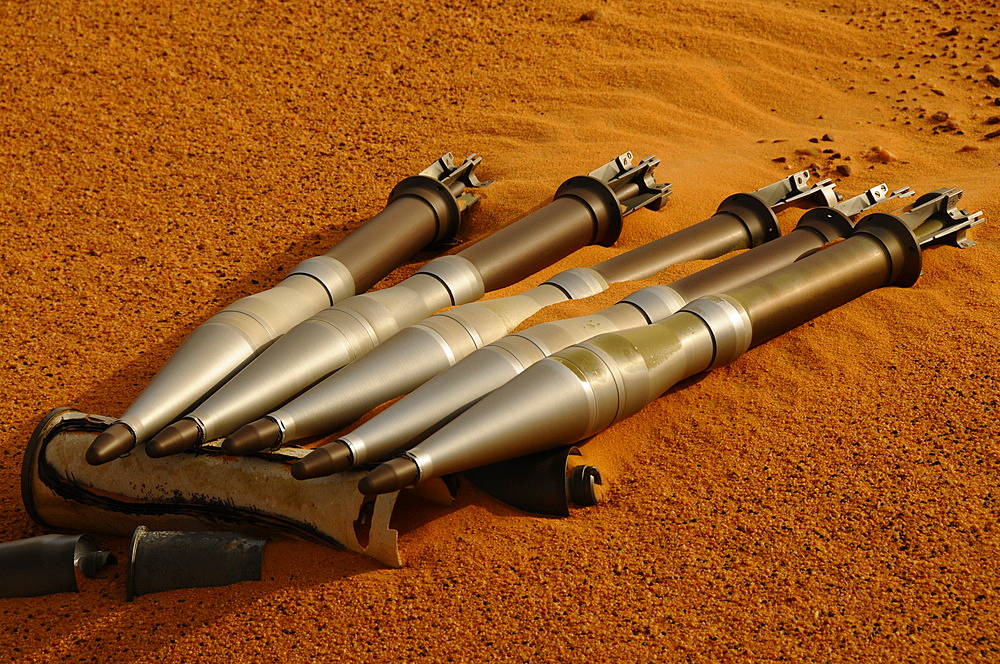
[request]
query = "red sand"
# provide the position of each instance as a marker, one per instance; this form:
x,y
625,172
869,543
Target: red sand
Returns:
x,y
829,496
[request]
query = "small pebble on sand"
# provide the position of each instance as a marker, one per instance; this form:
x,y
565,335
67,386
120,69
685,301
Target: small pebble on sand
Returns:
x,y
844,170
969,148
882,155
591,15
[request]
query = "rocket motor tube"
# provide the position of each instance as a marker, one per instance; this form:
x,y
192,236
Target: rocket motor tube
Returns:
x,y
404,227
881,252
816,228
742,221
585,388
444,398
585,211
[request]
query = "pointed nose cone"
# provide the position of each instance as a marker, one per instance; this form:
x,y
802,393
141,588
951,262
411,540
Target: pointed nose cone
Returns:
x,y
392,475
113,442
254,437
323,461
176,438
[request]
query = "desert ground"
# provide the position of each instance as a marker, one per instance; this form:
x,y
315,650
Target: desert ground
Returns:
x,y
830,496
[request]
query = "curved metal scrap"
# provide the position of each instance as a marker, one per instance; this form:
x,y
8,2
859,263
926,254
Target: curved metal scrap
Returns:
x,y
203,491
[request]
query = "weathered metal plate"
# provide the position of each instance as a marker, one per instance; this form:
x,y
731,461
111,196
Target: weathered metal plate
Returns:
x,y
196,491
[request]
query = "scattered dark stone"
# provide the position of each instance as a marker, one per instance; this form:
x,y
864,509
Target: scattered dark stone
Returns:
x,y
828,151
779,160
814,140
968,148
948,33
835,155
987,68
591,15
844,170
996,102
940,116
779,140
993,80
993,134
995,119
939,93
828,138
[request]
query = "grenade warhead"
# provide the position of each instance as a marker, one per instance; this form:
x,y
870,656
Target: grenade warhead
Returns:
x,y
423,210
585,388
421,351
587,210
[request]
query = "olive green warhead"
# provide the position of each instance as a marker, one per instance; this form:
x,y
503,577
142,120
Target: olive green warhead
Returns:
x,y
583,389
447,395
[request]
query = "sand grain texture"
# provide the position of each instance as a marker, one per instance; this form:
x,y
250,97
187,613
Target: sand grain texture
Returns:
x,y
827,497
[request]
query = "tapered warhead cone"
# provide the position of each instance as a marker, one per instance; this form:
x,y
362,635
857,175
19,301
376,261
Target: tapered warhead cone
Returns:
x,y
257,436
392,475
323,461
176,438
110,444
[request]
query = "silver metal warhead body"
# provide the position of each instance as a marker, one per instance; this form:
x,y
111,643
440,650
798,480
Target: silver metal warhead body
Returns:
x,y
324,343
586,210
422,210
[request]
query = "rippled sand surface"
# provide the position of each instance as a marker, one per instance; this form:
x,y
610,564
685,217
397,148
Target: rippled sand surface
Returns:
x,y
827,497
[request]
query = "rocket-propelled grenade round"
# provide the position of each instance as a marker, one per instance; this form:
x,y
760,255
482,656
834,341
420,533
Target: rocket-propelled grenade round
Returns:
x,y
586,388
423,210
587,210
444,397
419,352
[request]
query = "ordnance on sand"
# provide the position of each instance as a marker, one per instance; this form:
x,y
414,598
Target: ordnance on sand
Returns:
x,y
586,210
417,353
423,210
444,397
585,388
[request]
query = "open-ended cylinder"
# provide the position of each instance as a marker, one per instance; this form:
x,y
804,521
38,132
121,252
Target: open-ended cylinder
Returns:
x,y
585,388
423,210
587,210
